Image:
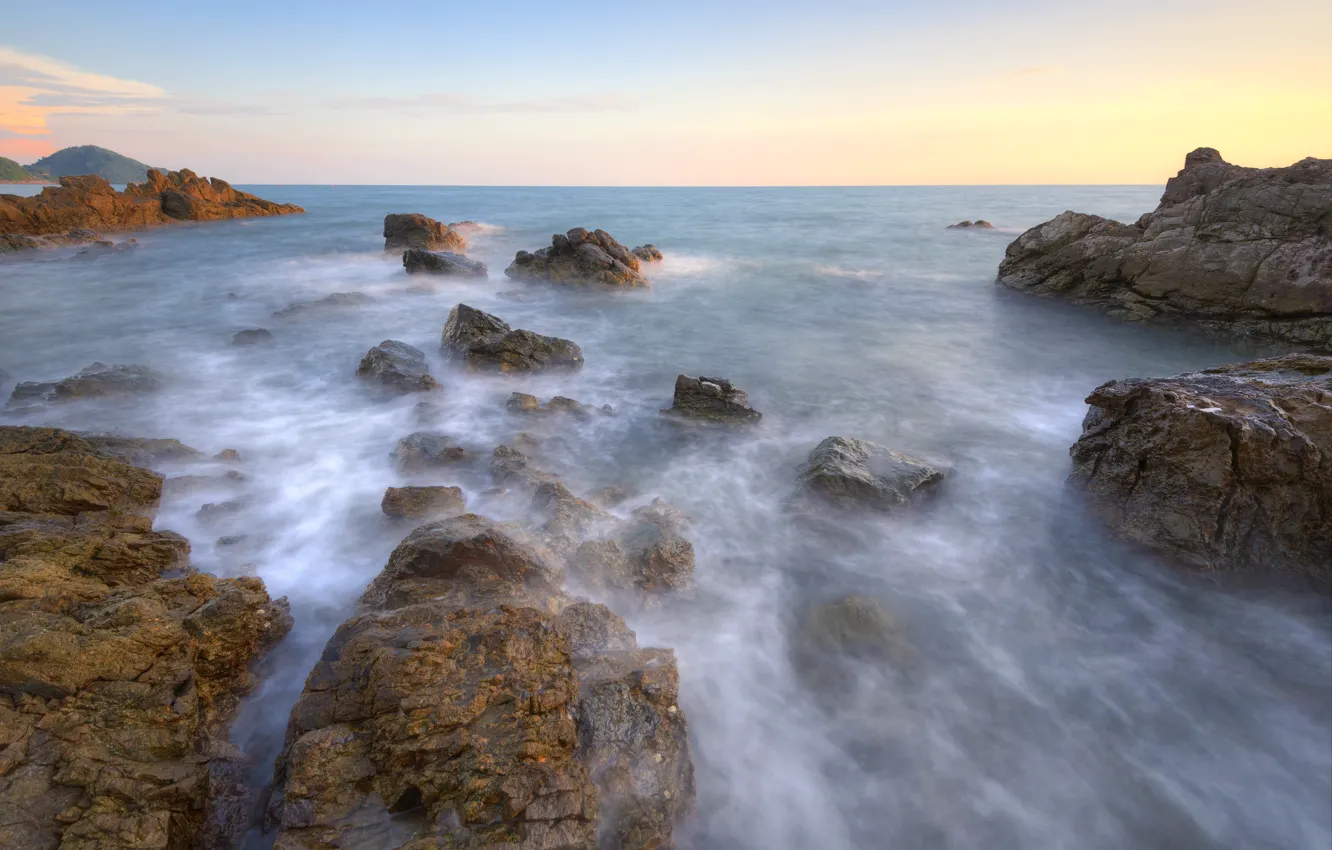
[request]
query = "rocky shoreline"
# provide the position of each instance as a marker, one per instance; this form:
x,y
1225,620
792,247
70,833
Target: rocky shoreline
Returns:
x,y
80,208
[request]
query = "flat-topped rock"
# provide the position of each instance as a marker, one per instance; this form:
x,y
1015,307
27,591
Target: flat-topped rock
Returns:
x,y
857,474
442,263
403,231
580,257
714,400
97,380
1227,469
1244,251
397,366
422,502
485,343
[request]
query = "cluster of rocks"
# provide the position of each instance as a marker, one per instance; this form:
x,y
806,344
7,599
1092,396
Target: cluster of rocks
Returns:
x,y
1244,251
583,257
64,213
530,405
120,667
480,342
979,223
431,247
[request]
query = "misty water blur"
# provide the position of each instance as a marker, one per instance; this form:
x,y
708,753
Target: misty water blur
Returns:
x,y
1061,691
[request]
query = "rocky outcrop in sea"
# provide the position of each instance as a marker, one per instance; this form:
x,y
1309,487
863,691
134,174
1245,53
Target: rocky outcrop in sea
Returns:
x,y
481,342
1242,251
404,231
1227,469
581,257
90,203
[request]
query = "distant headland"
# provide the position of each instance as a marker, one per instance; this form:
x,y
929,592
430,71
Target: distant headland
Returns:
x,y
76,161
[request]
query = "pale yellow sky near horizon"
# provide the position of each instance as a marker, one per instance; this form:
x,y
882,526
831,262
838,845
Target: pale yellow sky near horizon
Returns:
x,y
1089,99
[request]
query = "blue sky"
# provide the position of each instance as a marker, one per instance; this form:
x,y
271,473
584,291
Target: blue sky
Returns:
x,y
671,93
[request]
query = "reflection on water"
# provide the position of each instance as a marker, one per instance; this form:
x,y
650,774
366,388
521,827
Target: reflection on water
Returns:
x,y
1058,691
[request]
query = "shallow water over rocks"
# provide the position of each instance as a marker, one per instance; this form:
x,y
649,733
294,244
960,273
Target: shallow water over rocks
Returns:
x,y
1054,688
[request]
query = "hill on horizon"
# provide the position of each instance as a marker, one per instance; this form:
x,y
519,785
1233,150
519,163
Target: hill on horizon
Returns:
x,y
11,171
90,159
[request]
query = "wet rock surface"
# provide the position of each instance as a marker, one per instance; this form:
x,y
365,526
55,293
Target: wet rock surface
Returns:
x,y
424,451
1227,469
648,253
580,257
854,474
980,224
253,336
141,451
485,343
1243,251
529,405
403,231
714,400
397,366
444,263
422,502
116,683
97,380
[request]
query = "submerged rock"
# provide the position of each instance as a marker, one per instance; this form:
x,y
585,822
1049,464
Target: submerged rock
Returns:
x,y
422,502
398,366
1224,469
965,225
566,519
138,451
580,257
526,404
423,451
648,253
482,342
254,336
847,473
714,400
510,466
403,231
447,263
836,638
97,380
328,302
1240,250
116,683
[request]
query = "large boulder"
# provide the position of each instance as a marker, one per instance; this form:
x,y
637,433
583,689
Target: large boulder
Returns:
x,y
444,263
857,474
580,257
1242,250
414,230
97,380
1224,469
397,366
485,343
120,668
714,400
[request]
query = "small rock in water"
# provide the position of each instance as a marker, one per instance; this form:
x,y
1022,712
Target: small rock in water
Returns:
x,y
328,302
529,404
482,342
424,451
422,502
510,466
426,412
97,380
648,253
414,230
580,257
965,225
712,400
228,455
254,336
446,263
850,474
398,366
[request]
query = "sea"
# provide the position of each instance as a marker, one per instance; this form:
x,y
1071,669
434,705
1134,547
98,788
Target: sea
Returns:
x,y
1059,689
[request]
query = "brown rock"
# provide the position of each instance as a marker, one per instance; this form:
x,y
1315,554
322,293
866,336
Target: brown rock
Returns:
x,y
648,253
397,366
422,502
1224,469
442,263
1240,250
482,342
857,474
423,451
414,230
712,400
96,380
580,257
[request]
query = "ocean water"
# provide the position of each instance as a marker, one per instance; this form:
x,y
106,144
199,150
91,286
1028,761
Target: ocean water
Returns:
x,y
1057,691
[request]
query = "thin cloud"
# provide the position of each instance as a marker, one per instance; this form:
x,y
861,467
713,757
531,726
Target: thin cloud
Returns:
x,y
460,103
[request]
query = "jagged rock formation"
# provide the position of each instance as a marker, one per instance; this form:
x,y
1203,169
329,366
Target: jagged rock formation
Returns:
x,y
397,366
403,231
482,342
857,474
97,380
116,682
1223,469
89,202
1245,251
443,263
472,704
714,400
580,257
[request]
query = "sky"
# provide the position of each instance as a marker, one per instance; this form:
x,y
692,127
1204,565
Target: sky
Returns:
x,y
833,92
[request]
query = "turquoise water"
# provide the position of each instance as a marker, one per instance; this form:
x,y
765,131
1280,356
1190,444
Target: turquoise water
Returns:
x,y
1063,691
